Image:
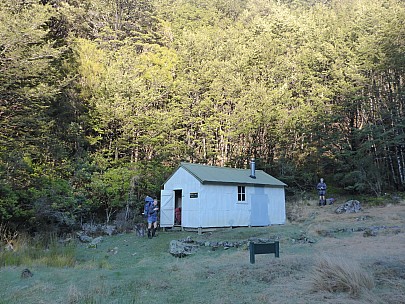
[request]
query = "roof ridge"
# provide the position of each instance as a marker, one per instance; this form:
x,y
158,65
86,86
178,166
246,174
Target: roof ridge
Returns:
x,y
216,167
216,174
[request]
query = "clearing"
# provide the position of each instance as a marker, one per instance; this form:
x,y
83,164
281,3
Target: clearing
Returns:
x,y
324,258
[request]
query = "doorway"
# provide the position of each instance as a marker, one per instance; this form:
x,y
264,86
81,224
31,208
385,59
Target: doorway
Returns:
x,y
178,202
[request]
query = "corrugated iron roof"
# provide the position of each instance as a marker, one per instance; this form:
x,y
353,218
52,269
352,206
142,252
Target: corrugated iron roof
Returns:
x,y
223,175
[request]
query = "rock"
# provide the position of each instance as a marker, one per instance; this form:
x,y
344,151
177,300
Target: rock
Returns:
x,y
26,273
188,240
303,239
85,238
181,249
109,229
98,229
352,206
112,250
363,218
97,240
369,232
261,240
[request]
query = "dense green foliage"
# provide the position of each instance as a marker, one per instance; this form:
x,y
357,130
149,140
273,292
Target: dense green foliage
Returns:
x,y
100,99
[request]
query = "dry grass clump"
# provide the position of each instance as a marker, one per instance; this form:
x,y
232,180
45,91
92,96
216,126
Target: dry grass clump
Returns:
x,y
340,275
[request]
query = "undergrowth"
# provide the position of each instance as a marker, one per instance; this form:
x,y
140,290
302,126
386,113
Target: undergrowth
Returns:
x,y
383,200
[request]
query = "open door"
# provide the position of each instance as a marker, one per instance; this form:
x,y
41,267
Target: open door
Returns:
x,y
166,208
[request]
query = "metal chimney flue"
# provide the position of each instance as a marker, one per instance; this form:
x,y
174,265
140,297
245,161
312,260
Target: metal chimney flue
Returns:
x,y
252,168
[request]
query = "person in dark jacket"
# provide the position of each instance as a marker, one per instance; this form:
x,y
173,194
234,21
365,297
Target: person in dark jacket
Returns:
x,y
152,218
321,187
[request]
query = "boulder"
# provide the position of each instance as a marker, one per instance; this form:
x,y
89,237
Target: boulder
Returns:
x,y
26,273
352,206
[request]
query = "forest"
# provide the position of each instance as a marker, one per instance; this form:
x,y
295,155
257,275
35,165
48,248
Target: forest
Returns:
x,y
101,99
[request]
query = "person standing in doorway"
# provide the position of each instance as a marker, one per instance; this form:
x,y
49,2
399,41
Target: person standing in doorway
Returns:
x,y
321,187
177,216
152,218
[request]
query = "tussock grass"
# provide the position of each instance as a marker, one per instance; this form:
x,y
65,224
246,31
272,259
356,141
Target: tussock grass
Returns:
x,y
340,275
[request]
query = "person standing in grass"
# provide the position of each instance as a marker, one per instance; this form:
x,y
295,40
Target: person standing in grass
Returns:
x,y
321,187
152,218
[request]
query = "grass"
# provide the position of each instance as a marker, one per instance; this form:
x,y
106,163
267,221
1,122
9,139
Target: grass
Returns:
x,y
28,252
129,269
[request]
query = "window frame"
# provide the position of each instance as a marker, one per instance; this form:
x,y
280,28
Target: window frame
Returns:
x,y
241,194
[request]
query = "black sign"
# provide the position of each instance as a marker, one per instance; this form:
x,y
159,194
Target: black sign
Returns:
x,y
263,248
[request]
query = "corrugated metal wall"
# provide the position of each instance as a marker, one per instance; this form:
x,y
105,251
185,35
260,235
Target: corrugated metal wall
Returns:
x,y
217,205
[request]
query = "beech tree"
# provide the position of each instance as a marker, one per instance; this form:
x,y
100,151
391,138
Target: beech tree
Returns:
x,y
27,87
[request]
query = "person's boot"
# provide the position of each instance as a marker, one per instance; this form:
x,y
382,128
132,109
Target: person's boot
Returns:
x,y
149,234
153,232
320,203
324,202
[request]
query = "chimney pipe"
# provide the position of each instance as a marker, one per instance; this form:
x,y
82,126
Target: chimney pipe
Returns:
x,y
252,168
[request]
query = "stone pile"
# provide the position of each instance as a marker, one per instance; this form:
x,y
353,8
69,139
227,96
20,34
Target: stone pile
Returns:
x,y
98,229
185,247
180,249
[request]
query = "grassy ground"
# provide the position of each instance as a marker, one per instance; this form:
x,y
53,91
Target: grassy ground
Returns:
x,y
324,258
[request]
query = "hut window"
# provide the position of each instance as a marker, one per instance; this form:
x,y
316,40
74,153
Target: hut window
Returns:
x,y
241,194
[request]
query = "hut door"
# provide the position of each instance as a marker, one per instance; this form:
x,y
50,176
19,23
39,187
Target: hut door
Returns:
x,y
166,208
259,215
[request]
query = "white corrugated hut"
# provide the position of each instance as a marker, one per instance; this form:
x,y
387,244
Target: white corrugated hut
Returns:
x,y
202,196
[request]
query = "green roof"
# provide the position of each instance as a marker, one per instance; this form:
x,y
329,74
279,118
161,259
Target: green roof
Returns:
x,y
222,175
